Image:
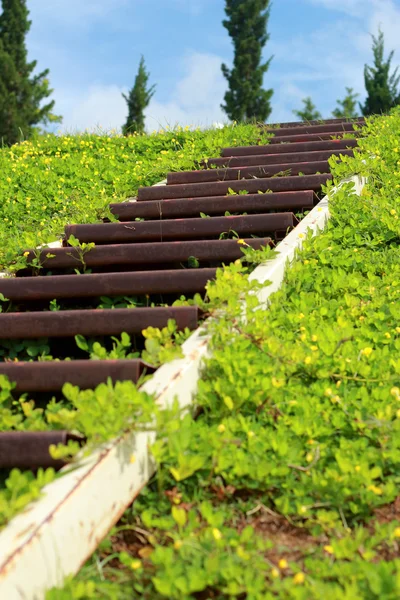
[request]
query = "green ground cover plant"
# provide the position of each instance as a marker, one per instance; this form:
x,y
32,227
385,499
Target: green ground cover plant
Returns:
x,y
47,183
54,180
283,481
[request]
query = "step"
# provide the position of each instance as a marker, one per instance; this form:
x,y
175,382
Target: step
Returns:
x,y
251,172
221,188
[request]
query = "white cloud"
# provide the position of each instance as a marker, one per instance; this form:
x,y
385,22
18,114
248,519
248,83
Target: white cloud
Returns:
x,y
99,106
83,14
195,100
197,97
355,8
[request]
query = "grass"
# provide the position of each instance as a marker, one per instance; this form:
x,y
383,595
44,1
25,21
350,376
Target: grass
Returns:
x,y
284,482
47,183
54,180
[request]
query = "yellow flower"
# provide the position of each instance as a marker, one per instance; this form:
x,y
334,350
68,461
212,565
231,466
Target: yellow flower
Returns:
x,y
132,459
299,578
277,382
329,549
242,242
309,457
307,360
250,434
314,338
398,329
328,392
387,335
136,564
301,235
283,564
221,428
216,534
306,262
376,490
275,573
301,316
397,532
178,544
357,468
392,212
26,253
367,351
314,348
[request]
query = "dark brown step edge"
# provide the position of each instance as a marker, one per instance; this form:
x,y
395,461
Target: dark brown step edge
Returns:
x,y
94,322
25,289
311,129
160,252
258,171
311,146
179,229
50,376
270,159
276,126
311,137
252,186
30,449
213,205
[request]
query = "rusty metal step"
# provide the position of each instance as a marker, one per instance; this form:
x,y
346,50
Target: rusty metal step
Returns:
x,y
214,205
275,126
179,229
93,322
330,128
136,255
270,159
256,172
221,188
308,146
311,137
50,376
184,281
30,449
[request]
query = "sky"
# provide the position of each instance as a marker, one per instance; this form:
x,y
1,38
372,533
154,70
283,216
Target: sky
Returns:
x,y
93,48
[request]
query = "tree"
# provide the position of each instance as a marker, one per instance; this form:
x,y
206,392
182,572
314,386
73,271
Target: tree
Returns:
x,y
21,92
308,112
347,107
382,94
138,99
247,26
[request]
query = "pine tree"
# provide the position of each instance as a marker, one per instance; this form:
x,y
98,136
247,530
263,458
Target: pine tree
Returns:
x,y
347,108
308,112
247,26
138,99
382,88
21,92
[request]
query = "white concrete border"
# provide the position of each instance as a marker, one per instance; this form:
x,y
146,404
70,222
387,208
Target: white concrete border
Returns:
x,y
53,537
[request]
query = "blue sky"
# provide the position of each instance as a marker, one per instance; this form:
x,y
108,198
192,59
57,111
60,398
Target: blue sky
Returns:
x,y
92,48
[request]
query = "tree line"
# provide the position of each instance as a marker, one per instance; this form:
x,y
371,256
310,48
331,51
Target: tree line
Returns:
x,y
25,103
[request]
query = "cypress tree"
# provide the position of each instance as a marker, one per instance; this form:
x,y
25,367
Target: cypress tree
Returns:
x,y
381,86
138,99
308,112
347,107
247,26
21,92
